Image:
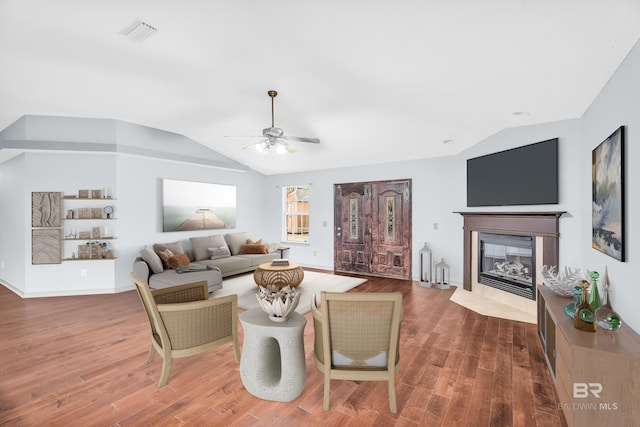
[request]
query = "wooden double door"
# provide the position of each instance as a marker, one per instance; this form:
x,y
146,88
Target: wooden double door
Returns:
x,y
372,222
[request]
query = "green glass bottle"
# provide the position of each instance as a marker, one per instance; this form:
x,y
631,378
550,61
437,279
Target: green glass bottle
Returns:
x,y
584,317
594,294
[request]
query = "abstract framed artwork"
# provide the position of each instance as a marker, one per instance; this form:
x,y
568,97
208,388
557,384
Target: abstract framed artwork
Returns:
x,y
46,246
46,209
188,205
608,219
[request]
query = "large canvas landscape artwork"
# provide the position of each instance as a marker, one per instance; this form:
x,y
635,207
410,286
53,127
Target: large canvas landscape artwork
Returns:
x,y
608,196
188,205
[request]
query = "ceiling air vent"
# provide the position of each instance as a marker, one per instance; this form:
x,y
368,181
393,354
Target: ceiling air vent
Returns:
x,y
139,31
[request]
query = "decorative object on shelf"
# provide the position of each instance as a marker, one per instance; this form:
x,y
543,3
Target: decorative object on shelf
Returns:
x,y
561,283
607,214
83,194
96,213
584,317
96,194
570,308
594,294
425,266
84,213
278,303
108,210
606,318
441,275
95,233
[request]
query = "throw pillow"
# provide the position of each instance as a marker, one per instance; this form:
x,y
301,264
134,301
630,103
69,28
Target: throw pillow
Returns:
x,y
175,247
164,256
201,245
219,252
177,260
248,248
251,242
236,240
152,259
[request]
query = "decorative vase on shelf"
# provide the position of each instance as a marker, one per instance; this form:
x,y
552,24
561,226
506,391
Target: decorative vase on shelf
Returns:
x,y
584,317
606,318
594,294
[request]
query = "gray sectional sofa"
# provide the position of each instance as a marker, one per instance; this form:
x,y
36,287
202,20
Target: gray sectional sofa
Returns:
x,y
210,258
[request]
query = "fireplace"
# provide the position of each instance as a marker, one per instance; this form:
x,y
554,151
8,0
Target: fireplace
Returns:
x,y
539,231
508,262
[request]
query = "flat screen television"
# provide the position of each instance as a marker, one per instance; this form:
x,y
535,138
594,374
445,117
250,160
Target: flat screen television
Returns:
x,y
526,175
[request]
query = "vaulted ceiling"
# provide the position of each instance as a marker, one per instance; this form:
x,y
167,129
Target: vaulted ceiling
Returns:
x,y
375,81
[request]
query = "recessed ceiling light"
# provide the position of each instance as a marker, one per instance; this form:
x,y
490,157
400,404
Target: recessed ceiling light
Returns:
x,y
448,141
520,113
139,31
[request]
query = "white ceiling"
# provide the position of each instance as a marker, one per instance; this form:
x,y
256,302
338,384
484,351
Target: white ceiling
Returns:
x,y
376,81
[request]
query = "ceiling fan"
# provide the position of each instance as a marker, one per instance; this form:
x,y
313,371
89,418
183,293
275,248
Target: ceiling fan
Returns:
x,y
274,138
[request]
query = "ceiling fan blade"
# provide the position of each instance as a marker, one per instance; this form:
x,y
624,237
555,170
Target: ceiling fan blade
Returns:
x,y
302,139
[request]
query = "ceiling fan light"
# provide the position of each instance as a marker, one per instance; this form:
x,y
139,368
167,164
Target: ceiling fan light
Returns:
x,y
280,148
260,147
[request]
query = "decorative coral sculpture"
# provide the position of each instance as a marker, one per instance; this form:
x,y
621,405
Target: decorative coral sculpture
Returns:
x,y
561,283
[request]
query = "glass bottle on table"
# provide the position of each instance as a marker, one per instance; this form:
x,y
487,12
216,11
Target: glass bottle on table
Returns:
x,y
584,317
594,294
606,318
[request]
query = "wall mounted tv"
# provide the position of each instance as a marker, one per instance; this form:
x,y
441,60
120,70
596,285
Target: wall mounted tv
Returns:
x,y
526,175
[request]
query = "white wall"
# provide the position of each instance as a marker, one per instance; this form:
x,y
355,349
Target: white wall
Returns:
x,y
14,218
617,104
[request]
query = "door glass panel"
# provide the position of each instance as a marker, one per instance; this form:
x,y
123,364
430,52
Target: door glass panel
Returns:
x,y
390,229
353,218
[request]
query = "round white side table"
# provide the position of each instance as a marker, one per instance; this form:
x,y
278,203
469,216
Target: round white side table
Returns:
x,y
272,365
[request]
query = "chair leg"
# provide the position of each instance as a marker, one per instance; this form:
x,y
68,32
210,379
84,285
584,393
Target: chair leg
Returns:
x,y
236,348
166,368
327,387
392,396
152,352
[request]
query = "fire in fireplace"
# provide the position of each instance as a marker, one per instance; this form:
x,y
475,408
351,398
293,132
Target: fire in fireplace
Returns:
x,y
507,262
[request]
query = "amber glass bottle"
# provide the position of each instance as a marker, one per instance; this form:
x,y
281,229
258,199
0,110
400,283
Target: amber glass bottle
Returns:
x,y
584,317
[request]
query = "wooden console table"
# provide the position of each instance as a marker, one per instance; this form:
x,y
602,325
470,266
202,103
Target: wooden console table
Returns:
x,y
597,374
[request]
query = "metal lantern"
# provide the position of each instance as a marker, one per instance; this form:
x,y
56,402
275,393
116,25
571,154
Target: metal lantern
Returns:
x,y
425,267
441,275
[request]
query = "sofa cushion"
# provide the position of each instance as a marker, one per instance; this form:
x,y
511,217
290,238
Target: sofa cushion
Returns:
x,y
219,252
257,259
236,240
164,256
178,260
152,259
253,248
229,265
201,244
175,247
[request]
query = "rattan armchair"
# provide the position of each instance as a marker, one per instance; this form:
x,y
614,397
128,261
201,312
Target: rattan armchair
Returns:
x,y
184,322
357,337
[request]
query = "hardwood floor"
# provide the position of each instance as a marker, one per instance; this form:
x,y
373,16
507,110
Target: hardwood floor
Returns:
x,y
80,361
